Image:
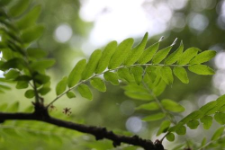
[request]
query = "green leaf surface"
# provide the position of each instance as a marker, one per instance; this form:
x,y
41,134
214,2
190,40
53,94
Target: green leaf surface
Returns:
x,y
160,55
187,56
172,106
42,64
154,117
149,106
203,143
70,94
181,74
148,53
84,91
172,58
36,53
14,107
29,19
98,84
201,70
61,86
18,8
31,34
193,124
121,53
219,117
137,72
203,57
4,2
111,77
16,63
217,134
181,130
207,121
22,84
135,54
167,74
29,93
12,74
92,64
75,74
170,137
125,74
164,126
106,56
209,108
44,90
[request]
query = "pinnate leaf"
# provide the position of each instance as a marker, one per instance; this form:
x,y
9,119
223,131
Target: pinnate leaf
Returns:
x,y
75,74
111,77
160,55
167,74
121,53
84,91
98,84
172,58
149,106
148,53
188,55
137,71
201,70
92,64
154,117
163,127
203,57
181,74
61,86
124,73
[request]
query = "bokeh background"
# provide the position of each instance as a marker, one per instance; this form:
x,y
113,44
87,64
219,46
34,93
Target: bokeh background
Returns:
x,y
75,28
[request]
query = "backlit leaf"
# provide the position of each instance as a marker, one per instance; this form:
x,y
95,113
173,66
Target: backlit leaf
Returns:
x,y
111,77
187,56
121,53
167,74
203,57
217,134
154,117
70,94
98,84
84,91
106,56
207,121
181,130
18,8
75,74
148,53
61,86
44,90
29,93
172,106
219,117
201,70
181,74
149,106
31,34
164,126
124,73
22,85
92,64
170,137
12,74
135,54
42,64
137,71
193,124
172,58
160,55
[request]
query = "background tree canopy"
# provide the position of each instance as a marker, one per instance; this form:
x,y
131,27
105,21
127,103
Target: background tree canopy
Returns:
x,y
72,30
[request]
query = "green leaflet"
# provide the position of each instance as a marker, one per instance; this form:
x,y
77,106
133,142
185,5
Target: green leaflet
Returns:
x,y
19,7
42,64
11,74
137,92
207,121
29,19
217,134
203,143
187,56
61,86
21,84
29,93
159,88
219,117
106,56
121,53
44,90
181,74
148,53
209,108
92,64
84,91
172,58
203,57
193,124
17,63
137,72
201,70
98,84
124,73
181,130
36,53
111,77
164,126
172,106
75,74
167,74
170,137
155,117
14,107
160,55
148,106
135,54
31,34
70,94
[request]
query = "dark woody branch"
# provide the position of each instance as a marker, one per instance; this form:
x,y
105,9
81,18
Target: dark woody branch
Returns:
x,y
41,114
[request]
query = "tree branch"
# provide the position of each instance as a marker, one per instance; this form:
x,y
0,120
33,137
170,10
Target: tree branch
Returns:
x,y
100,133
